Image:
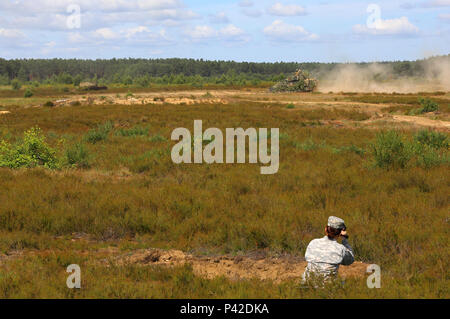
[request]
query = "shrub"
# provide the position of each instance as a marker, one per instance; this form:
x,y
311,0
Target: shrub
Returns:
x,y
427,149
428,105
352,149
290,106
49,104
158,138
308,145
134,131
28,93
15,84
426,156
129,94
390,150
433,139
32,151
98,134
77,155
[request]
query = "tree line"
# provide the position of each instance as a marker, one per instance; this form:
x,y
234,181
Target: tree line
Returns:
x,y
143,72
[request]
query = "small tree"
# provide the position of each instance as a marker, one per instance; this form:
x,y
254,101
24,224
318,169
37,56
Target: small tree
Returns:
x,y
28,93
15,84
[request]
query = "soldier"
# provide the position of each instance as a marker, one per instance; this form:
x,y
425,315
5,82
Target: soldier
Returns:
x,y
324,255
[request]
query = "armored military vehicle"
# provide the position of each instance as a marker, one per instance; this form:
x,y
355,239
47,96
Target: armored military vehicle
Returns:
x,y
300,81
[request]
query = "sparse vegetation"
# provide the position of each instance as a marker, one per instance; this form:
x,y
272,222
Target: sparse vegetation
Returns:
x,y
392,150
28,93
77,156
15,84
100,133
134,131
427,106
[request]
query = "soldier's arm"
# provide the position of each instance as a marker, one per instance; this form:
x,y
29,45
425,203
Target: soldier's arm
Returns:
x,y
348,257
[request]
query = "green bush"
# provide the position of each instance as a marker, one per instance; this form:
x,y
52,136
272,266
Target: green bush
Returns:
x,y
427,105
77,156
15,84
49,104
390,150
427,149
28,93
32,151
290,106
98,134
157,138
427,156
134,131
433,139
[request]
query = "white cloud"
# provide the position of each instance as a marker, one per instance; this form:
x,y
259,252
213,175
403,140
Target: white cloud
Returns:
x,y
252,12
131,32
445,16
281,31
219,17
387,27
106,33
201,32
75,37
53,15
233,33
246,3
11,33
139,34
227,33
60,6
436,3
279,9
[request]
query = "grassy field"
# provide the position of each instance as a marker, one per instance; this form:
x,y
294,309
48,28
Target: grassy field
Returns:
x,y
113,184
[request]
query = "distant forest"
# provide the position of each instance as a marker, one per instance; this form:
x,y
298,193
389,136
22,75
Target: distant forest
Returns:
x,y
144,72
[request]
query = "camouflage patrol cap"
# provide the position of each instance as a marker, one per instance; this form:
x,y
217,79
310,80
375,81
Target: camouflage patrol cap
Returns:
x,y
336,222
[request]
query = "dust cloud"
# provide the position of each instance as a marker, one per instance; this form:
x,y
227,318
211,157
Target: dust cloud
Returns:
x,y
379,77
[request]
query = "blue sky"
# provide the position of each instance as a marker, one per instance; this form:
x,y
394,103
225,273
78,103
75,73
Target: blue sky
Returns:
x,y
240,30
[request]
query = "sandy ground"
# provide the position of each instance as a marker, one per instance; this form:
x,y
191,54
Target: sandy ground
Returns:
x,y
301,101
250,266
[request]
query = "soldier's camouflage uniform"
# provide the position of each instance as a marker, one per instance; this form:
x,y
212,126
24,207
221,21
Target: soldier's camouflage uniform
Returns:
x,y
324,255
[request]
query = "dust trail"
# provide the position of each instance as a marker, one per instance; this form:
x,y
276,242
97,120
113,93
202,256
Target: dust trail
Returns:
x,y
380,77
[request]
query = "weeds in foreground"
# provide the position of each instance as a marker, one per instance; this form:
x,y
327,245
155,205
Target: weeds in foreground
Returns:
x,y
426,106
77,156
99,134
392,150
132,132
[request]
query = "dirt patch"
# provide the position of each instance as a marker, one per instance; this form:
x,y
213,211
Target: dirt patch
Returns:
x,y
412,120
135,100
277,269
